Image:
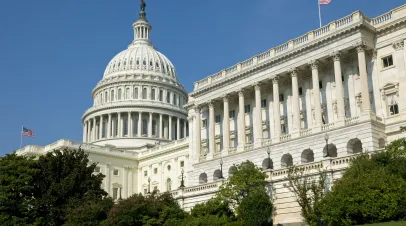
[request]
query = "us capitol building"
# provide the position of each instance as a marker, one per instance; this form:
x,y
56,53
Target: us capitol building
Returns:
x,y
315,101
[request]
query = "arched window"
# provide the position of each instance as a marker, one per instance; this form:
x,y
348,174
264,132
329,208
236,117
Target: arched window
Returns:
x,y
153,94
168,97
174,100
135,93
106,96
127,93
307,156
203,178
144,127
161,94
119,94
112,96
354,146
168,184
144,93
286,161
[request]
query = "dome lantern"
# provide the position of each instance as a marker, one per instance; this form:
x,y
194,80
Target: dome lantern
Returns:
x,y
141,27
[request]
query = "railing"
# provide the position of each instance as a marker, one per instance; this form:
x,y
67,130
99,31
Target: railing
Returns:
x,y
344,21
321,31
217,76
327,126
351,121
232,150
301,39
249,147
266,142
305,132
282,48
231,69
265,55
203,187
247,63
285,137
381,19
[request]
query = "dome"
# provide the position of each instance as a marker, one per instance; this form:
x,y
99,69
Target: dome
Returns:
x,y
141,58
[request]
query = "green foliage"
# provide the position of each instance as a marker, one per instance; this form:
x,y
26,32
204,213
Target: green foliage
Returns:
x,y
256,209
372,189
91,211
247,178
309,192
16,190
155,209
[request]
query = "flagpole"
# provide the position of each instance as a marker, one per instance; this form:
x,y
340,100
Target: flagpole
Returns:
x,y
318,2
21,137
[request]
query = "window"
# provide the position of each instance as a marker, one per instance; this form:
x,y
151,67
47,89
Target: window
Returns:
x,y
174,100
115,193
182,163
97,169
125,126
145,173
127,93
281,98
135,93
247,108
392,105
119,94
300,91
153,94
169,167
387,61
115,172
155,170
321,84
144,93
342,78
105,97
168,184
263,103
218,119
153,127
168,97
144,127
204,123
161,94
145,191
112,96
232,114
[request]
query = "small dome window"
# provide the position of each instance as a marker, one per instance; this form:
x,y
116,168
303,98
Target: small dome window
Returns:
x,y
150,63
156,64
144,62
131,62
119,63
138,62
169,167
125,63
114,66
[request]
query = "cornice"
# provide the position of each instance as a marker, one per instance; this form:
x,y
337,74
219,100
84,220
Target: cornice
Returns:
x,y
285,57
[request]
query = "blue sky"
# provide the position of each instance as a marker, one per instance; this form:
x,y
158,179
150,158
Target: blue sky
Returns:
x,y
52,53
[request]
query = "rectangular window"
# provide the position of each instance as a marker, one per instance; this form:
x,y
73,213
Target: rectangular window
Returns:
x,y
168,97
155,170
153,94
97,169
232,114
247,108
300,91
387,61
125,127
321,84
281,98
218,119
115,193
263,103
153,127
392,105
115,172
135,93
145,173
342,77
174,100
161,94
204,123
182,163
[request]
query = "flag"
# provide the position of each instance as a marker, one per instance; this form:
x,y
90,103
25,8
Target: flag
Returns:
x,y
324,2
27,132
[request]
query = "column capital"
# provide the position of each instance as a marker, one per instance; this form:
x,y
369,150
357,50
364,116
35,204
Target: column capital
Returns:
x,y
293,71
210,103
361,46
197,107
225,97
399,45
241,92
275,80
336,55
257,85
190,119
314,64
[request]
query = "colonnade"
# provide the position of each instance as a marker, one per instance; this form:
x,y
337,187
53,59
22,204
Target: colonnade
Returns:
x,y
275,127
135,124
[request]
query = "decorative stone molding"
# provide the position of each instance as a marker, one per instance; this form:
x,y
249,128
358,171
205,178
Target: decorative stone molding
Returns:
x,y
225,97
241,92
399,45
275,80
293,72
358,99
257,85
336,55
335,106
389,88
314,64
210,103
361,46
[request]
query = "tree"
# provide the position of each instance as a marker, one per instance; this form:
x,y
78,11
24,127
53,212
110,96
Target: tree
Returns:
x,y
256,209
309,192
91,211
247,179
155,209
16,190
65,178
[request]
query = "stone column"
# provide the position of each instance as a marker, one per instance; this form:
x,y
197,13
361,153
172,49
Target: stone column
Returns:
x,y
366,105
178,128
258,115
130,182
184,128
399,59
139,124
276,108
339,87
125,182
113,127
226,124
84,132
108,135
119,125
94,129
101,127
129,121
160,126
314,64
89,131
212,128
295,101
170,127
150,125
241,120
198,131
108,179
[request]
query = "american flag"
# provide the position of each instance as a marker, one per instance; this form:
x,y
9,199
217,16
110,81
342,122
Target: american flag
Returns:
x,y
27,132
324,2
